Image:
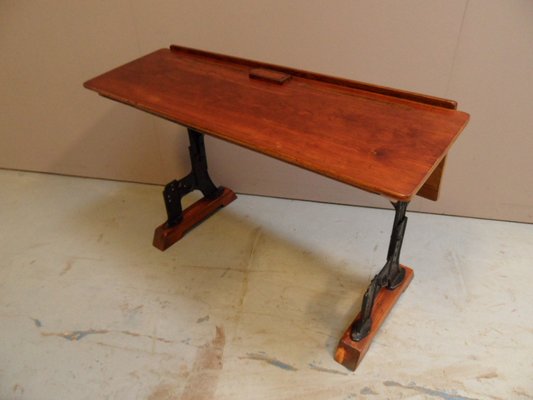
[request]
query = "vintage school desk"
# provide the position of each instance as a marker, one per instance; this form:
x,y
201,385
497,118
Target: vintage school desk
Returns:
x,y
385,141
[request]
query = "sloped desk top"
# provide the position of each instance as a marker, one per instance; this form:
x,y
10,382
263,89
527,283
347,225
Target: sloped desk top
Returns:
x,y
377,139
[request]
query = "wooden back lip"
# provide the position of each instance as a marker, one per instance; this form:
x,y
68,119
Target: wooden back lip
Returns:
x,y
401,94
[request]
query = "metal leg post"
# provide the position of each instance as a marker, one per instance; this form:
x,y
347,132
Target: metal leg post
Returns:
x,y
197,179
390,276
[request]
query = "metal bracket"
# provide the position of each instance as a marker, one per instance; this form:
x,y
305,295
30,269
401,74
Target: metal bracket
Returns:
x,y
197,179
390,276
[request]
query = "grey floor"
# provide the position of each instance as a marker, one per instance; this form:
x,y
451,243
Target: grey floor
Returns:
x,y
251,304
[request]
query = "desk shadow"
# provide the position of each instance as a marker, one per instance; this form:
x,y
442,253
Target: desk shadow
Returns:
x,y
121,143
277,279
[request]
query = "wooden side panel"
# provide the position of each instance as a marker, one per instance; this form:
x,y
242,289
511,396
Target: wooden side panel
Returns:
x,y
430,189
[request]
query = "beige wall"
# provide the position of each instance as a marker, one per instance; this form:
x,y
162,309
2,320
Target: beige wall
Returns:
x,y
478,52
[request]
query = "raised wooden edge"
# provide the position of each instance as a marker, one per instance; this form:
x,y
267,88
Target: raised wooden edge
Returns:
x,y
164,237
401,94
350,353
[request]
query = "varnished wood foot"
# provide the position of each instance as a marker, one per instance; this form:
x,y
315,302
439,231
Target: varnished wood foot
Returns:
x,y
165,236
350,353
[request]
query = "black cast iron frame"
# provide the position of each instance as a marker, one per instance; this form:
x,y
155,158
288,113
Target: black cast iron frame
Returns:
x,y
390,276
197,179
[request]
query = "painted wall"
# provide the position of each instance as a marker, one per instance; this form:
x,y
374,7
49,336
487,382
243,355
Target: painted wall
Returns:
x,y
478,52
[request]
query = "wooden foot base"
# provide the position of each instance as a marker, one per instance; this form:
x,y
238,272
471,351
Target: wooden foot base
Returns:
x,y
164,237
350,353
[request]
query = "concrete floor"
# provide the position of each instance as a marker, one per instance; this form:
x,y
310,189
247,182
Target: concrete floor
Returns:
x,y
251,304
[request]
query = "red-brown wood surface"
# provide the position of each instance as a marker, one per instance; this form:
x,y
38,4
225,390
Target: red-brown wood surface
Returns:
x,y
373,138
165,236
431,188
350,353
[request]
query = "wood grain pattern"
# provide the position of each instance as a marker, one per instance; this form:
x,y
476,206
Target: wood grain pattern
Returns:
x,y
377,139
402,94
164,237
350,353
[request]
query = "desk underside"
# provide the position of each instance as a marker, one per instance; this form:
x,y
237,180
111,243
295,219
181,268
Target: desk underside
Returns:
x,y
376,142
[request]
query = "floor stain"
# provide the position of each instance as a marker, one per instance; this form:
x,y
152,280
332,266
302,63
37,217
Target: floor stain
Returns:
x,y
225,272
160,355
203,319
269,360
327,370
78,335
203,378
131,313
135,375
430,392
68,267
522,393
183,371
455,262
18,388
246,272
488,375
367,390
153,337
127,309
37,323
71,261
210,355
164,392
208,268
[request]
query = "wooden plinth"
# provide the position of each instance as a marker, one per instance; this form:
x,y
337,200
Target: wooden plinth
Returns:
x,y
350,353
164,237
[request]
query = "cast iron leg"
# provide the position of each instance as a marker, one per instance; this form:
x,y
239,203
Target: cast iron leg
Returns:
x,y
197,179
390,276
